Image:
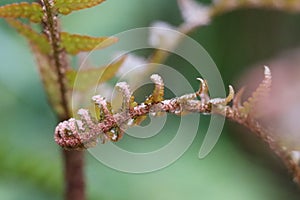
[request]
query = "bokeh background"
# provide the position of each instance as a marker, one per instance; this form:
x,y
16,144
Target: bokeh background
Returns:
x,y
239,167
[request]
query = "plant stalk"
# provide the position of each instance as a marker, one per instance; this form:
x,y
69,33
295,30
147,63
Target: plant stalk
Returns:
x,y
73,160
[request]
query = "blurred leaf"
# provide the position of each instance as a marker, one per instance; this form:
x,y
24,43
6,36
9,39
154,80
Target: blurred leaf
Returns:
x,y
49,78
74,43
37,39
32,11
67,6
93,76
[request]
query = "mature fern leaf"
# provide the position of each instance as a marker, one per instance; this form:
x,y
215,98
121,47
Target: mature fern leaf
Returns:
x,y
37,39
93,76
74,43
32,11
67,6
49,78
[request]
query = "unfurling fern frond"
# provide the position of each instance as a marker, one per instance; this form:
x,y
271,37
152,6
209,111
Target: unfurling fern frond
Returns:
x,y
84,133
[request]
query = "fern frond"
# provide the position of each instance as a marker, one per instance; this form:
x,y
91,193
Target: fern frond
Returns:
x,y
73,43
83,133
31,11
49,78
35,38
67,6
91,77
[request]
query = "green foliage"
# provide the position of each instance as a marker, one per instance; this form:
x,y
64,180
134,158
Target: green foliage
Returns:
x,y
49,78
37,39
73,43
67,6
50,46
32,11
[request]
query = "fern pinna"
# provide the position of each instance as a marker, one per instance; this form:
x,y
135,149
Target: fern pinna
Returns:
x,y
51,46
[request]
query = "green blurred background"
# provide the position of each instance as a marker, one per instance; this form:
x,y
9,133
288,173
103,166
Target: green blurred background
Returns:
x,y
239,167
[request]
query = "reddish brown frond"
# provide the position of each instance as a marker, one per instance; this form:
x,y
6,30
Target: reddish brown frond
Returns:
x,y
37,39
67,6
32,11
73,43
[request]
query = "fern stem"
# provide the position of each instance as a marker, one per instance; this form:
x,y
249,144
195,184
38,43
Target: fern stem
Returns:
x,y
51,29
73,160
74,175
